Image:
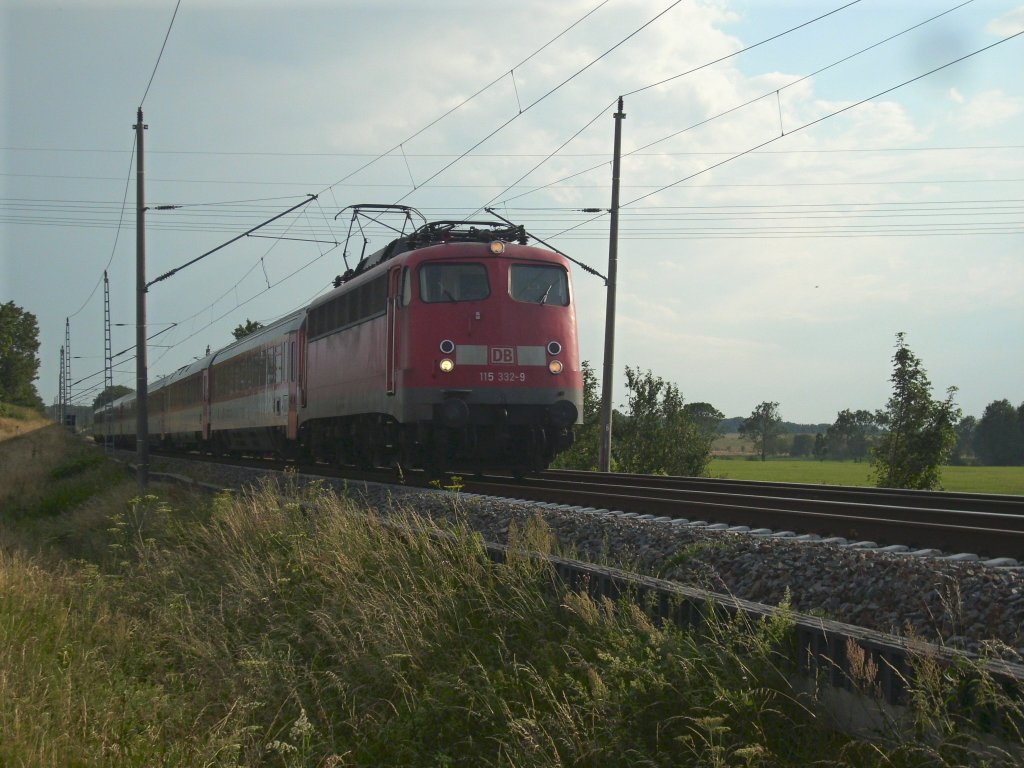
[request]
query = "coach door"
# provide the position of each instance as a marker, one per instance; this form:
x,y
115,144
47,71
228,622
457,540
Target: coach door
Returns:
x,y
394,300
291,367
206,403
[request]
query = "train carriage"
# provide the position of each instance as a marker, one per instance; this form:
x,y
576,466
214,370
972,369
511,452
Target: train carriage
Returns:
x,y
184,415
452,347
116,421
251,390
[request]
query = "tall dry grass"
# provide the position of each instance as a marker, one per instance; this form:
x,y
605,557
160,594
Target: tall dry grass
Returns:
x,y
16,421
287,627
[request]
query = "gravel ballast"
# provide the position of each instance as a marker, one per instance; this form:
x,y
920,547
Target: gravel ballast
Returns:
x,y
967,605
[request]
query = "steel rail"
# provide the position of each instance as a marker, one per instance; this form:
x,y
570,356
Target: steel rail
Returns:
x,y
989,534
950,523
821,648
975,502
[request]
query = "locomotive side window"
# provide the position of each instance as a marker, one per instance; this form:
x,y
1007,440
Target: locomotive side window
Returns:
x,y
453,282
406,287
363,303
539,284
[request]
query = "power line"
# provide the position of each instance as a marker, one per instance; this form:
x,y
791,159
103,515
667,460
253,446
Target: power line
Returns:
x,y
161,54
530,106
744,50
543,97
507,155
117,234
465,101
749,101
835,113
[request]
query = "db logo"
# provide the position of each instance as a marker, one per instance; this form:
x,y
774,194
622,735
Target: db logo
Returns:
x,y
502,356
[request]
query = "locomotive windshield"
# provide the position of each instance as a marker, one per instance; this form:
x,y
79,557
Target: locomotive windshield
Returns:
x,y
539,284
453,282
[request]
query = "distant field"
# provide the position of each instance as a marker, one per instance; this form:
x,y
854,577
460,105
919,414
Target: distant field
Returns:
x,y
966,479
731,444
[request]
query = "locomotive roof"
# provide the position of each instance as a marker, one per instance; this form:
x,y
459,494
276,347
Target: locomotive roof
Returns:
x,y
436,233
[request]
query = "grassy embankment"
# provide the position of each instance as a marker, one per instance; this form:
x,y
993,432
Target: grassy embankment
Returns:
x,y
258,629
15,421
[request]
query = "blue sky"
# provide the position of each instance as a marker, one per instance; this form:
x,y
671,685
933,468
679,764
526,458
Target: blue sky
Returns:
x,y
783,274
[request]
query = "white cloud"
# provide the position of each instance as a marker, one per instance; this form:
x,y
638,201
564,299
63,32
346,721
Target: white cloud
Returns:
x,y
1008,24
988,110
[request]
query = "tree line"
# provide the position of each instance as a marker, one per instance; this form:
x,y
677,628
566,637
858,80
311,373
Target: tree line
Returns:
x,y
906,442
658,432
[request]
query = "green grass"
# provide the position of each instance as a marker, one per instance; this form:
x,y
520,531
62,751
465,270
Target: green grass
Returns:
x,y
1008,480
286,627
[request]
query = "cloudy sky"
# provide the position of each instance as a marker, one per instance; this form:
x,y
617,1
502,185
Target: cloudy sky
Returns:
x,y
798,184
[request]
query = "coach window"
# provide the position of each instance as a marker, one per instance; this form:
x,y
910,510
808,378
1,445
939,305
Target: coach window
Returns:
x,y
453,282
539,284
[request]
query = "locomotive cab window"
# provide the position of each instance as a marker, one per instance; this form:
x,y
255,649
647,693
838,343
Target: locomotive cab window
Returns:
x,y
441,283
539,284
406,287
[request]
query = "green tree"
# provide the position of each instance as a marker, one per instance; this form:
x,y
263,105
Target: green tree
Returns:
x,y
849,436
803,445
763,426
584,452
241,331
657,435
920,432
19,358
820,447
963,450
110,394
997,437
705,417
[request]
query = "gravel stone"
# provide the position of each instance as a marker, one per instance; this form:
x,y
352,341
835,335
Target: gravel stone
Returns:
x,y
948,599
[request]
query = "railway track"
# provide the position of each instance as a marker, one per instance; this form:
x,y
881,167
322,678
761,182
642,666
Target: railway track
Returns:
x,y
923,522
987,525
822,643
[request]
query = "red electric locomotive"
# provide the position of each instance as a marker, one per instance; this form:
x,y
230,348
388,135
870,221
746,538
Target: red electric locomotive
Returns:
x,y
453,347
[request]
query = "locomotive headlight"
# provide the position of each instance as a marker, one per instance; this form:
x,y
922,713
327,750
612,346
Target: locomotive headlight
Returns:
x,y
555,366
497,247
447,365
447,347
554,347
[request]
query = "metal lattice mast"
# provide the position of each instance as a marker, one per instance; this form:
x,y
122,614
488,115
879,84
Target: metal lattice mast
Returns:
x,y
108,367
67,365
61,387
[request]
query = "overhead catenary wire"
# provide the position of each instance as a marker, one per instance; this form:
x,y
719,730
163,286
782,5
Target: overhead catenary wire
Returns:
x,y
802,127
466,101
838,112
321,233
524,110
117,234
468,186
416,134
160,55
747,103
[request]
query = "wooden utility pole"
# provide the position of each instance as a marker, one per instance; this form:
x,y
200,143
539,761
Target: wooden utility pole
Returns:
x,y
605,454
141,373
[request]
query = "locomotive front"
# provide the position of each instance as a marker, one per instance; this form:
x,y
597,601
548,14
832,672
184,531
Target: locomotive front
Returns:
x,y
490,365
